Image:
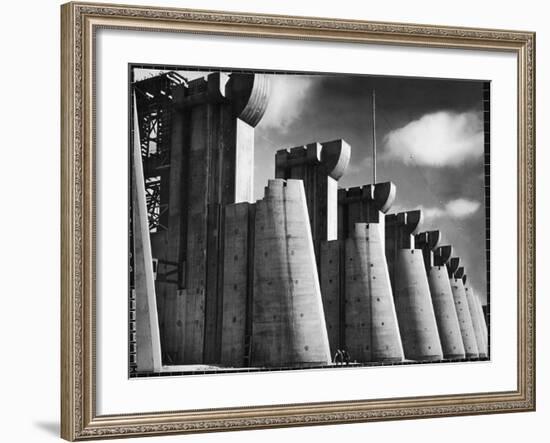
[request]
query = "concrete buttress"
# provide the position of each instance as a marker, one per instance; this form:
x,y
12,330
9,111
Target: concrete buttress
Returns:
x,y
411,291
320,166
147,329
484,328
435,259
288,324
237,287
371,329
462,308
210,166
477,321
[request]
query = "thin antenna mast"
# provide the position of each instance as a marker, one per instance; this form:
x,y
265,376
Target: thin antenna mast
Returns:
x,y
373,137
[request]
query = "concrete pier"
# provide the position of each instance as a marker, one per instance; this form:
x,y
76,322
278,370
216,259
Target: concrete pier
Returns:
x,y
364,204
477,321
288,325
237,283
319,166
148,355
435,259
331,278
462,308
371,329
411,291
484,327
210,139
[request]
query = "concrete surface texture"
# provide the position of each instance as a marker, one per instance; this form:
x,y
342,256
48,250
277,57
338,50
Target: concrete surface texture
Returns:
x,y
477,321
411,290
331,279
146,318
414,308
319,166
210,139
484,327
462,310
237,290
288,320
371,329
445,313
448,326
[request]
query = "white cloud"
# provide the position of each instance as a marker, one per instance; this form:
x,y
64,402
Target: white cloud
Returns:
x,y
462,208
431,213
439,139
459,208
286,101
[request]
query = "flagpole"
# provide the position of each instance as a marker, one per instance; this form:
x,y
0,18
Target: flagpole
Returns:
x,y
373,137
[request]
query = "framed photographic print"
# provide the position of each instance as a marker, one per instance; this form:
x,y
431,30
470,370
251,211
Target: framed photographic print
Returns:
x,y
282,221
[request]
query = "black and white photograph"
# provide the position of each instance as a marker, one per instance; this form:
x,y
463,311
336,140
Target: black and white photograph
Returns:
x,y
288,220
275,221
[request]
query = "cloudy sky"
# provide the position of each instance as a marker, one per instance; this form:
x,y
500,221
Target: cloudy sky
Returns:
x,y
429,143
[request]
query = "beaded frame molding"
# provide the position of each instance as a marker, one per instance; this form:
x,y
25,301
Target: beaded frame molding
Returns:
x,y
79,420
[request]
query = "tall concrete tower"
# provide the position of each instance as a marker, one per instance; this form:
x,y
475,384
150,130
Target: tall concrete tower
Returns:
x,y
462,308
219,113
411,290
483,321
435,259
319,166
288,323
203,158
478,321
371,331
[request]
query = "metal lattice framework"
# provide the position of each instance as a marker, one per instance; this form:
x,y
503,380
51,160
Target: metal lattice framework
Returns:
x,y
154,103
155,207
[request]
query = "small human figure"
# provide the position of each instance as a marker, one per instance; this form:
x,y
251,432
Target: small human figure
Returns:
x,y
345,357
338,358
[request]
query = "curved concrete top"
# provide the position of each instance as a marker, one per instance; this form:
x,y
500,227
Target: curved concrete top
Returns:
x,y
428,239
379,196
250,96
453,264
442,255
384,195
335,157
410,220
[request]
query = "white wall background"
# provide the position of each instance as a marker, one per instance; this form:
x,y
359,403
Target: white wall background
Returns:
x,y
29,218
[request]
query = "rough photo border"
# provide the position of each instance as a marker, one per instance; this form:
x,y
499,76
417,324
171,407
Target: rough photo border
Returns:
x,y
485,101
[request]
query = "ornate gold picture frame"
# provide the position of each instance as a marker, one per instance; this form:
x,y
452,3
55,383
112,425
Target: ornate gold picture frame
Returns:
x,y
80,23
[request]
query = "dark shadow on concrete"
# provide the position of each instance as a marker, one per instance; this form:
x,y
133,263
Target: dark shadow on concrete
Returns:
x,y
50,427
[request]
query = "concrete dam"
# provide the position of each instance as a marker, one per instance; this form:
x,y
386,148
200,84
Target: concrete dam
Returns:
x,y
311,275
